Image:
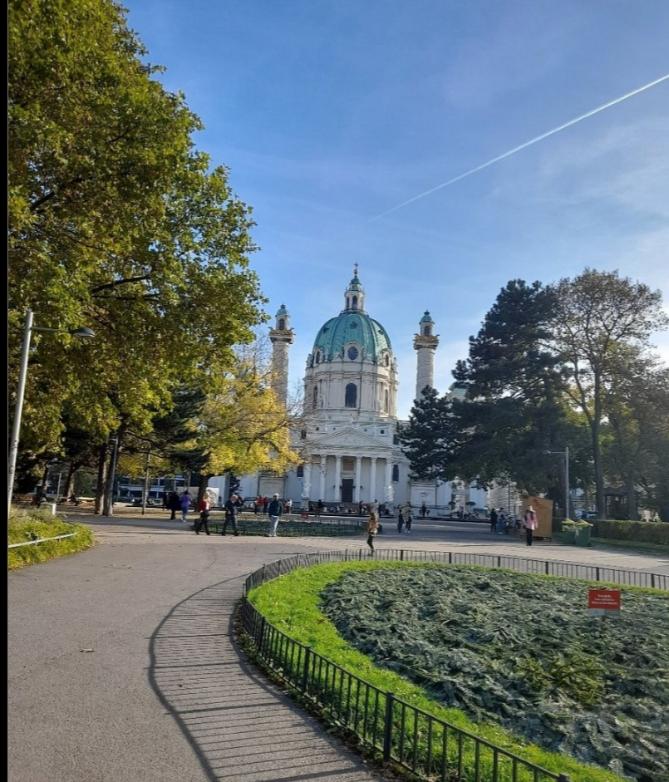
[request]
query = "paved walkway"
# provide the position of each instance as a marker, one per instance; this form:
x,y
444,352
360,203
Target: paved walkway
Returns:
x,y
122,665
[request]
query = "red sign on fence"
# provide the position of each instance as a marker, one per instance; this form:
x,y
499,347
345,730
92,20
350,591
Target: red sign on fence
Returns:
x,y
604,602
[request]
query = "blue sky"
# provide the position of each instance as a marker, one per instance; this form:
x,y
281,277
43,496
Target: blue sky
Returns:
x,y
327,113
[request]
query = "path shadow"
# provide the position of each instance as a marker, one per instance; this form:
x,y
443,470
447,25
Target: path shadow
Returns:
x,y
238,724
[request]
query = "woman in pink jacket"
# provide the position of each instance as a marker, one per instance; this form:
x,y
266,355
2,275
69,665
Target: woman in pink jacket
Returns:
x,y
530,523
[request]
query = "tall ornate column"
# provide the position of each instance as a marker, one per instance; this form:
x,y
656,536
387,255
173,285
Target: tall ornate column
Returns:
x,y
306,483
388,488
337,478
358,478
372,480
321,496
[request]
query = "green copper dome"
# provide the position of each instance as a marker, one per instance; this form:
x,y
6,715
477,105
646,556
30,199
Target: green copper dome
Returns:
x,y
351,329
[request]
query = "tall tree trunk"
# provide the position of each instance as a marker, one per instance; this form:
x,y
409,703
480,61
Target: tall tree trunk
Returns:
x,y
102,477
632,509
108,501
69,481
202,488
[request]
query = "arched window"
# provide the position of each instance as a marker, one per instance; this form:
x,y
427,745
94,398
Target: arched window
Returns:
x,y
351,399
300,471
386,400
354,303
315,397
396,473
387,360
427,330
282,324
318,356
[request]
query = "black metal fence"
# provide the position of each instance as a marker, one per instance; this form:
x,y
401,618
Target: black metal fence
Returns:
x,y
428,746
546,567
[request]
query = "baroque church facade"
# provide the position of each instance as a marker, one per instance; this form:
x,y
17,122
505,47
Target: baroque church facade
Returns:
x,y
348,440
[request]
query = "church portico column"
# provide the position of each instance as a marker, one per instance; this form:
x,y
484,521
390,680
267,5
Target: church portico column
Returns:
x,y
337,478
372,479
358,478
306,483
321,496
388,487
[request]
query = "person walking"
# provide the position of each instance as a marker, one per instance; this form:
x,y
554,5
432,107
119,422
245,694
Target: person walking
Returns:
x,y
530,523
372,530
319,509
204,508
173,505
400,520
289,506
501,521
234,501
274,512
493,521
184,503
408,518
423,510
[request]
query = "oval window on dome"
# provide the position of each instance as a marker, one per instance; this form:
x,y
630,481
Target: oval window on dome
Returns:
x,y
353,353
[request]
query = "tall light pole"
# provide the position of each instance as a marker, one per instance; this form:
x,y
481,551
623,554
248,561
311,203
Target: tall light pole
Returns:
x,y
564,453
28,329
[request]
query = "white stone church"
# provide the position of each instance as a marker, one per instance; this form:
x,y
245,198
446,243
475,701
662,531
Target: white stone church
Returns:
x,y
348,441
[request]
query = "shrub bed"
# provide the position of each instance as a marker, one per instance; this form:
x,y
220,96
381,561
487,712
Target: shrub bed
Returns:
x,y
634,531
32,524
522,651
293,604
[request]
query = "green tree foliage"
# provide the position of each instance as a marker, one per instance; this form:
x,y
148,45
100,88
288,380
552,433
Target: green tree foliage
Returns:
x,y
601,319
115,222
429,437
513,407
635,436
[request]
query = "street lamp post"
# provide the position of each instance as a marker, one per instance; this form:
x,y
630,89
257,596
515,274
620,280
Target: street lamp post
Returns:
x,y
28,329
564,453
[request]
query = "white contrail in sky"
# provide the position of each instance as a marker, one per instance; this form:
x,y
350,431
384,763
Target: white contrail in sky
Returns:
x,y
523,146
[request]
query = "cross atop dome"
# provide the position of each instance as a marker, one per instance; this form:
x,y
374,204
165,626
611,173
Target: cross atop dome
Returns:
x,y
354,296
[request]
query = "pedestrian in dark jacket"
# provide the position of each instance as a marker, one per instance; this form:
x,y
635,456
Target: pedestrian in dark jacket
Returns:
x,y
173,504
400,520
231,506
274,511
493,521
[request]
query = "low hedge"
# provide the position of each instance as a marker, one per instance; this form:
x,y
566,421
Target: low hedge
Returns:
x,y
634,531
33,524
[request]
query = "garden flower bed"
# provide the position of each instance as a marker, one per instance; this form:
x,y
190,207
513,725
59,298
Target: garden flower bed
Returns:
x,y
523,652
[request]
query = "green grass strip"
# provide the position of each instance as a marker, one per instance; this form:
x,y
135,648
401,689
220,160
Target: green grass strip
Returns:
x,y
292,604
26,525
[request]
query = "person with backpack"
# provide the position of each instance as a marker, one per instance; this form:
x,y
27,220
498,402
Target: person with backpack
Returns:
x,y
274,511
234,501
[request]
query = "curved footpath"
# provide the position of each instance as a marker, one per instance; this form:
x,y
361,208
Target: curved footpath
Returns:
x,y
122,664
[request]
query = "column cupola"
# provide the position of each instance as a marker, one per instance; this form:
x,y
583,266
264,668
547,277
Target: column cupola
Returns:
x,y
425,343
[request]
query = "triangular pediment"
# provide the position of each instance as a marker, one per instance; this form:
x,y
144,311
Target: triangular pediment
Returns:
x,y
349,438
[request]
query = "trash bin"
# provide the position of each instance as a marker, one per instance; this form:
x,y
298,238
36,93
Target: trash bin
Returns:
x,y
582,536
568,535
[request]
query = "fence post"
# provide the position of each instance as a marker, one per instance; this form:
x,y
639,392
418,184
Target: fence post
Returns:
x,y
563,778
652,580
597,574
546,567
388,727
401,555
450,557
305,675
262,636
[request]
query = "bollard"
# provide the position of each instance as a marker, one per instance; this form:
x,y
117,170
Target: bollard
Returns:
x,y
388,727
